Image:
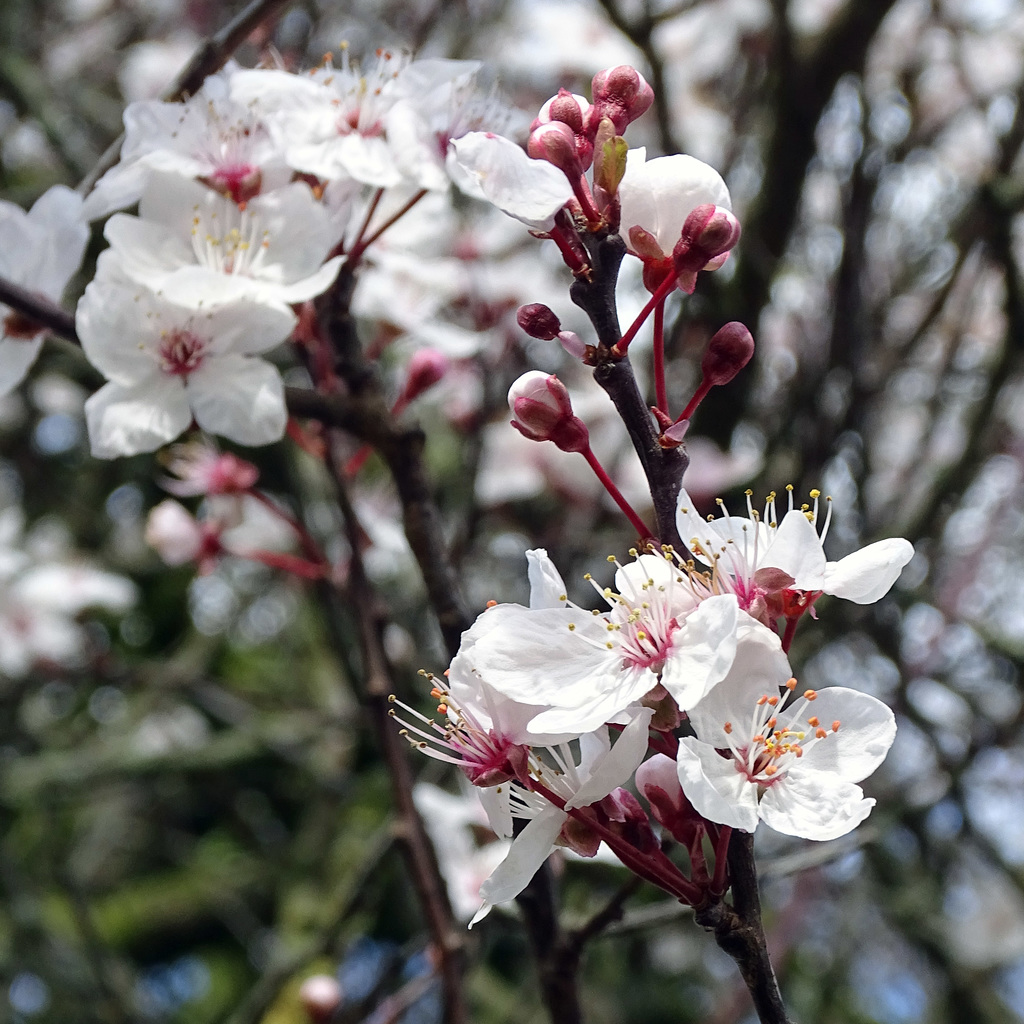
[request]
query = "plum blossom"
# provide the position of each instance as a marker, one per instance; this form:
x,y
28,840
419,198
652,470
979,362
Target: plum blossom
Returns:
x,y
795,766
764,561
603,767
168,363
229,145
40,250
196,245
490,167
663,629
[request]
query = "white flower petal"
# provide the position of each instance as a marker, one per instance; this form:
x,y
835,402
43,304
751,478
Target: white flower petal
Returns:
x,y
16,358
547,589
497,170
703,649
528,852
715,788
796,549
814,805
128,420
865,576
616,767
867,729
760,667
240,398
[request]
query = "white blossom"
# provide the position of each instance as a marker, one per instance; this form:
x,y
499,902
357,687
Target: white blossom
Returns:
x,y
603,767
757,556
231,146
662,628
658,195
795,766
169,363
197,246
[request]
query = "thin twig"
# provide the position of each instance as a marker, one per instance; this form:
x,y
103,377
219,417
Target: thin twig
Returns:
x,y
377,686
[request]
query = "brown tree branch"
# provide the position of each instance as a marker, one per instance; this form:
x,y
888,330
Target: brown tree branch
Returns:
x,y
39,309
377,686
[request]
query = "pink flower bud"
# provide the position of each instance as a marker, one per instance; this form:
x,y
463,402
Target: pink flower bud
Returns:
x,y
320,996
708,232
565,107
571,110
539,321
619,93
657,780
426,367
556,143
727,353
542,412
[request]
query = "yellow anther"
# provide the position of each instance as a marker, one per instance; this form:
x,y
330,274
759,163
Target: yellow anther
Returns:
x,y
815,493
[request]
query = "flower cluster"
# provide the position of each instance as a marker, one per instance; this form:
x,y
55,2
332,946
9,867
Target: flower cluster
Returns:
x,y
252,194
680,682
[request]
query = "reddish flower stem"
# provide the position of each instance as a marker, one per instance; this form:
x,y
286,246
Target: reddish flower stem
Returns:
x,y
581,190
365,226
661,394
656,868
720,881
698,397
305,568
309,546
638,524
787,638
664,290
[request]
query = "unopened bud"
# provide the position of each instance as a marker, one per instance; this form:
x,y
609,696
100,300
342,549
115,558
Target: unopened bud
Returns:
x,y
569,109
728,352
566,107
708,232
542,411
426,367
556,143
320,997
620,93
539,321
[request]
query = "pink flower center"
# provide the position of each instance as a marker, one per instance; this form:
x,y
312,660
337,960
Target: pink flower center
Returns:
x,y
240,182
181,352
